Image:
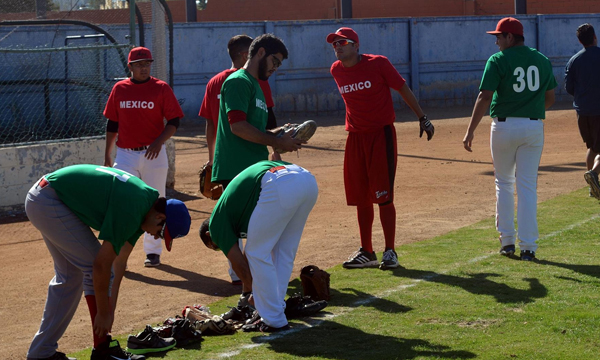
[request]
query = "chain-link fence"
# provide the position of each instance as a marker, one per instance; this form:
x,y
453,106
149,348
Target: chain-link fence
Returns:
x,y
59,60
57,93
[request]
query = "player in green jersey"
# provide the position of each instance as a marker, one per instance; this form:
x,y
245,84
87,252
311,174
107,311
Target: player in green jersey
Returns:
x,y
268,204
517,86
65,206
241,136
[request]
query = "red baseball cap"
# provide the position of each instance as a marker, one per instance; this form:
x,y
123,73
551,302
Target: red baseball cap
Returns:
x,y
344,32
139,54
508,25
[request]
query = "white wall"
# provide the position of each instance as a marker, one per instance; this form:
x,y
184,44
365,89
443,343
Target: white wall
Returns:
x,y
21,167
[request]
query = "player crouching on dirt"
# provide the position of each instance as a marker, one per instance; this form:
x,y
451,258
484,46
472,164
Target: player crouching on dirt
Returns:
x,y
63,206
268,203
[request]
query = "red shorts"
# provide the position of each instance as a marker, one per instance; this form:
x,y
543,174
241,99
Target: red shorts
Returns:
x,y
370,166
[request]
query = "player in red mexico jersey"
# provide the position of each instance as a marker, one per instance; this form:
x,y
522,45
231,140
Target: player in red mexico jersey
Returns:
x,y
238,52
370,159
135,110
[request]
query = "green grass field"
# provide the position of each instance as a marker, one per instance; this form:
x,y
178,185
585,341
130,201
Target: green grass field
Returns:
x,y
453,298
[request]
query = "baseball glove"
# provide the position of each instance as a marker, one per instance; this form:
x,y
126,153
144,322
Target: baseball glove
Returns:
x,y
315,282
208,188
208,324
297,306
302,131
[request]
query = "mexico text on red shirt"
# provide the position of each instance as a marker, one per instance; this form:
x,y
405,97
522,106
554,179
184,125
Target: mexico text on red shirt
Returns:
x,y
365,88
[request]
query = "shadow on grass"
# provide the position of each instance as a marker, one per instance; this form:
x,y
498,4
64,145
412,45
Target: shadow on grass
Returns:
x,y
331,340
590,270
190,281
353,298
480,284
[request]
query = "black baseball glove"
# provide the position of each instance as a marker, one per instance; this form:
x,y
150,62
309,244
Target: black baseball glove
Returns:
x,y
426,126
297,306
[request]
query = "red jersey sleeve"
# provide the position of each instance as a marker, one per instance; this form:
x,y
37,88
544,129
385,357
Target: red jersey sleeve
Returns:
x,y
266,89
391,75
205,108
210,105
235,116
110,110
171,107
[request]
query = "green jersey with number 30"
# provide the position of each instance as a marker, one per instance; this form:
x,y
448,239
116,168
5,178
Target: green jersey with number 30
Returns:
x,y
519,77
109,200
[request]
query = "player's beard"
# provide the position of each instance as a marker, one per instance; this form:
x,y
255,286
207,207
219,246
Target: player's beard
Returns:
x,y
263,73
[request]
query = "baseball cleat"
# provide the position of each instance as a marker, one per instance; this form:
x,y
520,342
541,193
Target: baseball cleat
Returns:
x,y
592,179
111,350
58,356
152,260
507,250
263,327
527,255
361,259
148,341
302,131
389,260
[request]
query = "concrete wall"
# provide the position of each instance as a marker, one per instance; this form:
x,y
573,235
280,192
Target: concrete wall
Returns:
x,y
442,58
21,166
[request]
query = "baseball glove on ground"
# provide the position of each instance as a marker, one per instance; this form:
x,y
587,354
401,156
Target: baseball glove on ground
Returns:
x,y
315,282
302,131
206,323
297,306
208,188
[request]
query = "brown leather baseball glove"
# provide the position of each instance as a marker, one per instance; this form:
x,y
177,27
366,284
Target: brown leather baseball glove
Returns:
x,y
208,188
315,282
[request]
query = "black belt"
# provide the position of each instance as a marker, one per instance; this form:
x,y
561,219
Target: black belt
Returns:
x,y
504,119
141,148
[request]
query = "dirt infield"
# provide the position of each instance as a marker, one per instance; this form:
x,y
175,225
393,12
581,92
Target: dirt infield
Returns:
x,y
439,187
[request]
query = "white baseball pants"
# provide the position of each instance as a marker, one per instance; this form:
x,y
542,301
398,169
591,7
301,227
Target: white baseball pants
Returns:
x,y
286,198
153,173
516,145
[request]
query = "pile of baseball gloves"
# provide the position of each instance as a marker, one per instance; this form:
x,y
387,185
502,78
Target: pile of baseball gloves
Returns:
x,y
197,321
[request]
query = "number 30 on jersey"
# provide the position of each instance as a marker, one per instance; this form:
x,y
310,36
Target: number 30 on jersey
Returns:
x,y
529,79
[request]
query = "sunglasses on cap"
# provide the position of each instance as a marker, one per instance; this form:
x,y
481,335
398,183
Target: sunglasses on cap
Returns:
x,y
342,42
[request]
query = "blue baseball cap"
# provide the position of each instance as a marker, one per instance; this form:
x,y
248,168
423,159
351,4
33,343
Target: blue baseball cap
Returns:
x,y
178,221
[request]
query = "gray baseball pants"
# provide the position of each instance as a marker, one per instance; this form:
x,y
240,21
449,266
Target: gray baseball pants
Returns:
x,y
73,247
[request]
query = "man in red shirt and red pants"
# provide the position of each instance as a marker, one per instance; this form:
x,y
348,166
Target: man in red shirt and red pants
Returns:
x,y
370,159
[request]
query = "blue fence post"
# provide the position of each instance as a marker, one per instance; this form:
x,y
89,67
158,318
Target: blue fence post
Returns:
x,y
540,32
414,57
270,29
